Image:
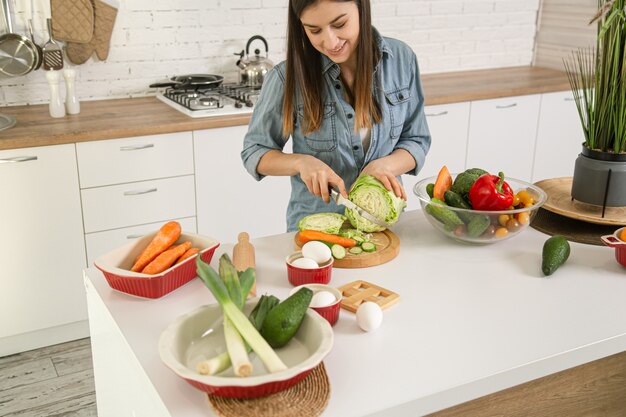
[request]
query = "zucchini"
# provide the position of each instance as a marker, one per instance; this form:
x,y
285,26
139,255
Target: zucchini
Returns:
x,y
338,251
355,250
368,247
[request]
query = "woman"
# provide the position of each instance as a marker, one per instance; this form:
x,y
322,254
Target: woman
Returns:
x,y
351,101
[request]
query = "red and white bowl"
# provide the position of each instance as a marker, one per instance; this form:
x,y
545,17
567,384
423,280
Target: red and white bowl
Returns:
x,y
116,265
614,241
300,276
331,311
198,336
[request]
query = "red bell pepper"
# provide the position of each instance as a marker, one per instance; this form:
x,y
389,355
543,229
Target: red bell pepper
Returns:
x,y
491,192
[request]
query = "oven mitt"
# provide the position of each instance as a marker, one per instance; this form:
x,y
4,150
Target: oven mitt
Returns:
x,y
104,21
72,20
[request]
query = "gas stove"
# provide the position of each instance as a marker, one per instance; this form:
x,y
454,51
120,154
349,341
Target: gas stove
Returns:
x,y
227,99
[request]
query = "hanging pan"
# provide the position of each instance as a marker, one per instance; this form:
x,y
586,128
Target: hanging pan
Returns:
x,y
191,81
18,54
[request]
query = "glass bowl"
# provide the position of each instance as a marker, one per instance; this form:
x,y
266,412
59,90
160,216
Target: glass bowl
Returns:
x,y
502,224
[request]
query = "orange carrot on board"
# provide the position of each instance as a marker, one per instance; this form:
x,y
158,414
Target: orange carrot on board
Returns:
x,y
443,183
166,259
190,252
308,235
165,237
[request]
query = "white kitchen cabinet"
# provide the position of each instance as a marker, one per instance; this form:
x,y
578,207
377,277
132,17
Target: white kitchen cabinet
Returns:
x,y
559,137
99,243
448,125
42,250
502,135
132,186
229,200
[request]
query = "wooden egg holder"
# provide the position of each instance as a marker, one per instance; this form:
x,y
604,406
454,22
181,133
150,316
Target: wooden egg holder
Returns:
x,y
358,292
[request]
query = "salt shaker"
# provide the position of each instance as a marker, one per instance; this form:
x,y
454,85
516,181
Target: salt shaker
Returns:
x,y
72,105
56,104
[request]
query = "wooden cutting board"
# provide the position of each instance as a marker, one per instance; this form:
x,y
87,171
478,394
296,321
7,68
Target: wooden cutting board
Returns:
x,y
560,202
387,247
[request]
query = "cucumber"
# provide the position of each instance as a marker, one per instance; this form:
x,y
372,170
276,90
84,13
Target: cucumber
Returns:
x,y
430,189
355,250
368,247
477,225
444,215
338,251
283,321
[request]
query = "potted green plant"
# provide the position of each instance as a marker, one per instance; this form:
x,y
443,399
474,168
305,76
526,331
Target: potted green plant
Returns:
x,y
597,78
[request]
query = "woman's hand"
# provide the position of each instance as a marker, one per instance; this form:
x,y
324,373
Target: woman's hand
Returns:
x,y
319,177
381,169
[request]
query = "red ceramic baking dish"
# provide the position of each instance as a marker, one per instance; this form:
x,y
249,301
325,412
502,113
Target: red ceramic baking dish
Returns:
x,y
116,265
615,242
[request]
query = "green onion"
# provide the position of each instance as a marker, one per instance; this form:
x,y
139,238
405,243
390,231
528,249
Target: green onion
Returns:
x,y
249,333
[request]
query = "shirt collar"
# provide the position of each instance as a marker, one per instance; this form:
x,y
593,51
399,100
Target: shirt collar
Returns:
x,y
333,69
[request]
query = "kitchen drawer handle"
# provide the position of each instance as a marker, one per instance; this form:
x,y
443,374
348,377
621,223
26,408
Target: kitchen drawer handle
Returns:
x,y
139,192
568,99
17,159
443,113
135,236
136,147
508,106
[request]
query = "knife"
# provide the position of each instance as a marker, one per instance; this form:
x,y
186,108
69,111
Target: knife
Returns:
x,y
341,200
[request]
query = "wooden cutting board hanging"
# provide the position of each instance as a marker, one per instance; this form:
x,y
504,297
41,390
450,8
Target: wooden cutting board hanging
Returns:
x,y
387,247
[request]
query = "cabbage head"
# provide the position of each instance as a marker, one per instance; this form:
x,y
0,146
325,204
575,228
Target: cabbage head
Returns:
x,y
324,222
370,194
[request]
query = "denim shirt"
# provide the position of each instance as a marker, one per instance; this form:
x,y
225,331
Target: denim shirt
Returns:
x,y
399,92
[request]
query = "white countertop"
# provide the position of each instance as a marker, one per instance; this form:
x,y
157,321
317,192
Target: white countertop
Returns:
x,y
471,320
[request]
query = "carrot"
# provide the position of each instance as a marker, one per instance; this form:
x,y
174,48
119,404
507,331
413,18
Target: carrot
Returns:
x,y
165,237
443,183
166,259
308,235
190,252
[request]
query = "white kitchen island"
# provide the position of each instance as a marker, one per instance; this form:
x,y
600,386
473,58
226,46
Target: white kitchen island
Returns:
x,y
471,321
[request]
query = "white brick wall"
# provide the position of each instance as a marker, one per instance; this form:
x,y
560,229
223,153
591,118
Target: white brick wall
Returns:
x,y
155,39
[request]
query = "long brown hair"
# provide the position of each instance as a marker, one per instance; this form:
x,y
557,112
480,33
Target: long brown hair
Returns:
x,y
304,72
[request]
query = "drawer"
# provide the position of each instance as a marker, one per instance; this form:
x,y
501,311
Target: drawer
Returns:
x,y
100,243
118,161
124,205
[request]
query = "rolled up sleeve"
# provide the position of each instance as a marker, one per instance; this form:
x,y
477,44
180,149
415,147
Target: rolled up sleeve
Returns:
x,y
265,128
415,137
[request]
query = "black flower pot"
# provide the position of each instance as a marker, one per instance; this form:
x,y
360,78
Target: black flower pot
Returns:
x,y
600,178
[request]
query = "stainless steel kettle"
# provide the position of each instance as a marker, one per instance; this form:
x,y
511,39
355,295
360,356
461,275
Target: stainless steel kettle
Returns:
x,y
253,68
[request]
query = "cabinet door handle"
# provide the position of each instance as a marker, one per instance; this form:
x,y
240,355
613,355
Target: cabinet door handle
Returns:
x,y
135,236
568,99
136,147
139,192
442,113
508,106
17,159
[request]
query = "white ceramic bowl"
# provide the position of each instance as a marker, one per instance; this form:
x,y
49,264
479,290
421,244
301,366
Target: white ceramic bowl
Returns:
x,y
198,335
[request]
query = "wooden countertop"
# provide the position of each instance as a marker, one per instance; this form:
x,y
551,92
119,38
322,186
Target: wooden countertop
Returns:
x,y
119,118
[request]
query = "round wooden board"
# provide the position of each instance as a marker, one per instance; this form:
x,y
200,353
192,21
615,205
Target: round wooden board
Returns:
x,y
387,248
560,202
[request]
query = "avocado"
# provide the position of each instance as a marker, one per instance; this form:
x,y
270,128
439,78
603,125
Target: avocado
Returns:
x,y
283,321
555,252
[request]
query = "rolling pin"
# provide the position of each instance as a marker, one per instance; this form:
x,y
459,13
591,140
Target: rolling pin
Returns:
x,y
243,256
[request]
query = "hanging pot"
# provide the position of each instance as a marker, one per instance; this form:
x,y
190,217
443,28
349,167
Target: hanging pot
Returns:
x,y
253,68
18,54
600,178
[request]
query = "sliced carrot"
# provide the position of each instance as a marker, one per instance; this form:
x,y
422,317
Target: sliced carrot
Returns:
x,y
166,259
309,235
165,237
443,183
190,252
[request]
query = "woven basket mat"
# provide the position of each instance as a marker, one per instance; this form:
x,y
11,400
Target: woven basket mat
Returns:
x,y
574,230
72,20
308,398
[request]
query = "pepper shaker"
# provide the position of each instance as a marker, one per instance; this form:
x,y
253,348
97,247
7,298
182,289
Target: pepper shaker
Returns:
x,y
56,104
72,105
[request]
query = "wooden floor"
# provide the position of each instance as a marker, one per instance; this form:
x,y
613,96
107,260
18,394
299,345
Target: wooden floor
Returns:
x,y
52,381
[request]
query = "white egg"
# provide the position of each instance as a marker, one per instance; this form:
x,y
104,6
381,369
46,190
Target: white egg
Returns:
x,y
306,263
322,299
317,251
369,316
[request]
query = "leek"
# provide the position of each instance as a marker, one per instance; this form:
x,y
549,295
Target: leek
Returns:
x,y
249,333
